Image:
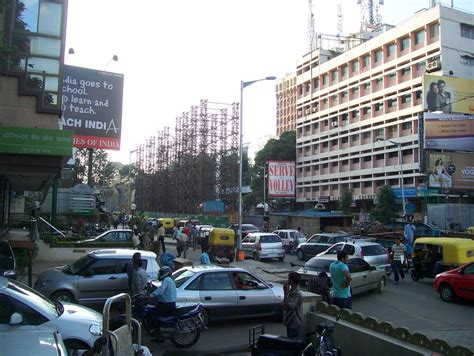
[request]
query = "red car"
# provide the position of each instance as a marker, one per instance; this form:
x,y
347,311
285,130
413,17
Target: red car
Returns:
x,y
458,282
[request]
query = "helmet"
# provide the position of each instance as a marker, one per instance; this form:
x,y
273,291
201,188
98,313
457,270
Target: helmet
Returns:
x,y
164,272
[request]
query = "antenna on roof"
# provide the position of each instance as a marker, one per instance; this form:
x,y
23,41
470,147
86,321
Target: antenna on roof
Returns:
x,y
312,38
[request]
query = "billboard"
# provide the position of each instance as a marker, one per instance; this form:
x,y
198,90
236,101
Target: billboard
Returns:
x,y
449,132
450,171
448,94
92,107
281,178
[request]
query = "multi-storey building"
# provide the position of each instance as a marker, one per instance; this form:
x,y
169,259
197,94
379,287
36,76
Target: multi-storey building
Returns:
x,y
285,90
348,107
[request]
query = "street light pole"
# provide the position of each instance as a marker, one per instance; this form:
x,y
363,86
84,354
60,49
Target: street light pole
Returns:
x,y
129,179
400,163
243,85
264,186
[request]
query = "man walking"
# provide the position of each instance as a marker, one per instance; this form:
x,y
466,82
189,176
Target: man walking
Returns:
x,y
161,236
293,306
341,280
398,258
409,234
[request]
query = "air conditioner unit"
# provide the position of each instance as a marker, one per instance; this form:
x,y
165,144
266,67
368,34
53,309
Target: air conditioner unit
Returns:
x,y
334,124
432,65
308,111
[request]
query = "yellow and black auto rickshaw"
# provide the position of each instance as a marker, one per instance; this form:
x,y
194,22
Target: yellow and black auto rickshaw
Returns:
x,y
433,255
219,242
168,224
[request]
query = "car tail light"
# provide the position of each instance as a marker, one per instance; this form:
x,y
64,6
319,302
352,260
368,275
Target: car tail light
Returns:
x,y
259,246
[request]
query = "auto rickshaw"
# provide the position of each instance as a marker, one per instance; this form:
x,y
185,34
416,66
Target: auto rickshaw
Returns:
x,y
220,243
168,224
433,255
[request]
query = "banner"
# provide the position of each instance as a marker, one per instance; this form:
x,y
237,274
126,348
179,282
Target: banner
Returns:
x,y
281,178
92,107
451,171
448,94
449,132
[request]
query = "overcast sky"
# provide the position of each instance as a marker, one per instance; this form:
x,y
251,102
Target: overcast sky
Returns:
x,y
174,53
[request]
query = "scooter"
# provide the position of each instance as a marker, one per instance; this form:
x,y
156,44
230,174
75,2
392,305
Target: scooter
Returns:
x,y
272,345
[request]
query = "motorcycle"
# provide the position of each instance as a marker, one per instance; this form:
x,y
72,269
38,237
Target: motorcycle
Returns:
x,y
183,328
267,345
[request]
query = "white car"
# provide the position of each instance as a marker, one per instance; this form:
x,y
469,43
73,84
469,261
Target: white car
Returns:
x,y
288,236
37,341
79,326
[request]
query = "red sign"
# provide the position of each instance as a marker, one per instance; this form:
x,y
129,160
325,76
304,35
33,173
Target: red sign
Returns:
x,y
281,178
104,143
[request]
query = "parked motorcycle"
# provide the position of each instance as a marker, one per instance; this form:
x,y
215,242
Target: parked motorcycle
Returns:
x,y
183,328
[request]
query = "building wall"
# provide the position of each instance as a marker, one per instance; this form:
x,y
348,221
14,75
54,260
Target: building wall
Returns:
x,y
372,92
286,104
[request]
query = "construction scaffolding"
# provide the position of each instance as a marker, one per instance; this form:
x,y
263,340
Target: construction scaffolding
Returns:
x,y
177,172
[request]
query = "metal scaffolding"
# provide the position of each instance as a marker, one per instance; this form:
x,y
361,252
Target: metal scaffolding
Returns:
x,y
177,173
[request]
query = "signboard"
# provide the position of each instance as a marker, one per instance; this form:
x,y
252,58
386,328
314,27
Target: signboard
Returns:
x,y
410,192
92,107
34,141
448,94
451,171
281,178
449,132
324,199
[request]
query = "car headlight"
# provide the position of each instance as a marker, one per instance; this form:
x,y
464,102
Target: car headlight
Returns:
x,y
9,273
95,329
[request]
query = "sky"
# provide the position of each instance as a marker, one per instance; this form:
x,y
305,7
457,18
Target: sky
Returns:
x,y
175,53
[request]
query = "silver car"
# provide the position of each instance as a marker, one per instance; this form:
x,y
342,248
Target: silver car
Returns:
x,y
288,236
94,277
260,245
364,276
227,293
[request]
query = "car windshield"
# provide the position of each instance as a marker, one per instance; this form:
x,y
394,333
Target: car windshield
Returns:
x,y
269,239
373,250
182,276
36,298
316,264
78,265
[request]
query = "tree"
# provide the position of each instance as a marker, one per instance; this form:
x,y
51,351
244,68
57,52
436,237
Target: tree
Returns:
x,y
280,149
103,171
346,201
387,207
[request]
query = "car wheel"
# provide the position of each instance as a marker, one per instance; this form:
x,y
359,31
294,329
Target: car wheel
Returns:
x,y
300,254
74,344
414,275
446,293
256,257
205,317
63,296
381,286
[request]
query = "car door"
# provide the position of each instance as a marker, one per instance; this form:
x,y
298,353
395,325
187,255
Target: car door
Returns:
x,y
284,237
245,245
310,247
361,279
98,281
122,277
258,299
124,236
218,295
464,283
109,237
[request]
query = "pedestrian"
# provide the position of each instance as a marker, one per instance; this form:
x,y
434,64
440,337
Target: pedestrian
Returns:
x,y
136,240
320,285
184,244
205,260
293,306
409,235
296,240
139,279
398,259
131,268
161,236
177,235
341,280
194,236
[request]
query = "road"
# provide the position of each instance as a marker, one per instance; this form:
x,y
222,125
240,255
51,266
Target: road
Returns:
x,y
410,304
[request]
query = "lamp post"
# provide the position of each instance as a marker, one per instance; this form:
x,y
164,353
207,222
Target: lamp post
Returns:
x,y
243,85
264,187
129,179
402,185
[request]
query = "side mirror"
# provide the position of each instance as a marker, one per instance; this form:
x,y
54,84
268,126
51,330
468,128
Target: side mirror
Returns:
x,y
16,319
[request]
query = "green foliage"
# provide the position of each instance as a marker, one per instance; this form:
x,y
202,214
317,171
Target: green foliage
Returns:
x,y
387,208
346,201
21,257
71,241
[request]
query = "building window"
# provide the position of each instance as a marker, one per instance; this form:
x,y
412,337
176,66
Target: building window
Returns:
x,y
355,160
392,76
467,31
408,152
334,75
356,185
434,30
467,60
334,164
355,113
420,65
343,71
405,71
367,184
345,140
316,83
355,137
378,106
406,98
355,90
378,56
325,79
392,103
366,85
418,95
378,133
378,81
367,159
334,142
366,134
419,37
366,61
404,44
406,125
379,156
355,67
393,154
325,145
391,50
367,110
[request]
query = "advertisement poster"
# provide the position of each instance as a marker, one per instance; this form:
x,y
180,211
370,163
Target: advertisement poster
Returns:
x,y
451,132
281,178
451,171
448,94
92,107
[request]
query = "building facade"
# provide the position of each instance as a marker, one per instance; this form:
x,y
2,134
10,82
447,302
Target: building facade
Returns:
x,y
350,107
285,90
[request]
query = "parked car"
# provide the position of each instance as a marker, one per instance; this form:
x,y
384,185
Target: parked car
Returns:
x,y
319,243
38,341
364,276
94,277
372,252
112,236
288,236
20,305
456,283
246,229
7,260
260,245
227,293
